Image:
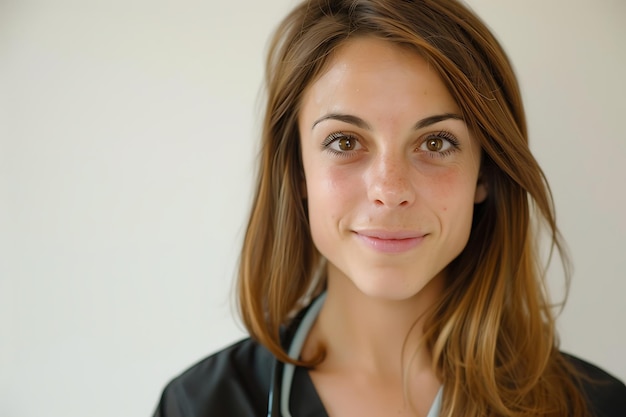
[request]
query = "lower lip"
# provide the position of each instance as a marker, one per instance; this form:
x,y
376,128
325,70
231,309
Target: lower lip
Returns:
x,y
391,245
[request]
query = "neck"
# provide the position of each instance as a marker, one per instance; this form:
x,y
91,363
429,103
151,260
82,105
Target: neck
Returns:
x,y
373,335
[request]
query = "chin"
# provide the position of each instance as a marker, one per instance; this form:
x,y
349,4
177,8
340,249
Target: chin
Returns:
x,y
391,288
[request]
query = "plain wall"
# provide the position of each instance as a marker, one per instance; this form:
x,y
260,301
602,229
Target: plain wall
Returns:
x,y
128,131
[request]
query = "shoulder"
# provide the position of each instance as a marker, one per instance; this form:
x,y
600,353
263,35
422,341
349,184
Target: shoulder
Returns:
x,y
233,381
605,393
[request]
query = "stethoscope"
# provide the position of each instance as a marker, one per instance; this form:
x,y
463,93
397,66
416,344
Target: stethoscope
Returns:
x,y
282,374
287,371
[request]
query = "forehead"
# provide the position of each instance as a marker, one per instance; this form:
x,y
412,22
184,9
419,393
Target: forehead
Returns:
x,y
374,74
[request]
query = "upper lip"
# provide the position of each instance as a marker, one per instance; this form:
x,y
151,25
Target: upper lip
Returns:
x,y
390,234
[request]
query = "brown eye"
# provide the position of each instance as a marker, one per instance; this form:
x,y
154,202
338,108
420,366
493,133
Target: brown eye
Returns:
x,y
440,144
346,143
342,143
434,144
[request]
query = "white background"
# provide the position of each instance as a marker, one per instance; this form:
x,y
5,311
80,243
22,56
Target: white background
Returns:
x,y
128,131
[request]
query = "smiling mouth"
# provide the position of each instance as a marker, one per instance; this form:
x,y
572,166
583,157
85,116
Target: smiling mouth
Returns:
x,y
390,242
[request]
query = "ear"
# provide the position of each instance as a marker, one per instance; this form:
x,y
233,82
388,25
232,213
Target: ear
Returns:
x,y
482,190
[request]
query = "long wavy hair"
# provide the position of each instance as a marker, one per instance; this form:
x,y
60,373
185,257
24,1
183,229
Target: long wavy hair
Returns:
x,y
492,333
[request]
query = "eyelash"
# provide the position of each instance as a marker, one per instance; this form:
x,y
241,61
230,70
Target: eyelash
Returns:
x,y
447,136
443,134
332,138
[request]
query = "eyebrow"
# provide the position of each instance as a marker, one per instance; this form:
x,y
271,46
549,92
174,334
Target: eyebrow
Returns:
x,y
358,122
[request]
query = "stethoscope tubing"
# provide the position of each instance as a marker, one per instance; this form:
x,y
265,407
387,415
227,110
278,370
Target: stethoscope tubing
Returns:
x,y
286,370
282,373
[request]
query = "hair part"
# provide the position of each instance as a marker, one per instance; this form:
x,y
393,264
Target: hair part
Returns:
x,y
492,334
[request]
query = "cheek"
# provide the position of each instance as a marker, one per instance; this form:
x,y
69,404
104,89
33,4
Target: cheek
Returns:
x,y
330,196
452,200
330,183
452,189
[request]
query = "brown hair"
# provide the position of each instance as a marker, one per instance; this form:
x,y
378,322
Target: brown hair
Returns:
x,y
492,334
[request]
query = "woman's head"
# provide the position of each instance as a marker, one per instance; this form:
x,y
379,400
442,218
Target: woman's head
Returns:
x,y
279,258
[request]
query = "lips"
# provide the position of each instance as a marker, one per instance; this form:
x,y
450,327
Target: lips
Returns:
x,y
386,241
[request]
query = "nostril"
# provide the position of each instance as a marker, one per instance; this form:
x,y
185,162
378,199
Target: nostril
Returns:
x,y
389,185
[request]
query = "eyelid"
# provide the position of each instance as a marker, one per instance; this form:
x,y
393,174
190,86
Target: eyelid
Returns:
x,y
337,135
443,135
328,145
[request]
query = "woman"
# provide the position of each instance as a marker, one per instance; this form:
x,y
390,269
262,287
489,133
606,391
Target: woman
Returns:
x,y
398,193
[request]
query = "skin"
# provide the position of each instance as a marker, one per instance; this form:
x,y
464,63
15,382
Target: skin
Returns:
x,y
392,176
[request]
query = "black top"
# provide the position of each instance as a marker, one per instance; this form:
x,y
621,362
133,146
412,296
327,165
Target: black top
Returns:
x,y
236,382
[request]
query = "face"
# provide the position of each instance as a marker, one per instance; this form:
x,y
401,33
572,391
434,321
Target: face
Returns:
x,y
391,169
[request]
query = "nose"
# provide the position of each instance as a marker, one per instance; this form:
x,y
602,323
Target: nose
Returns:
x,y
389,182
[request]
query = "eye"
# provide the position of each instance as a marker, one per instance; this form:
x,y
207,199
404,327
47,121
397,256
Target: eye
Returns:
x,y
346,143
435,145
441,144
341,142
